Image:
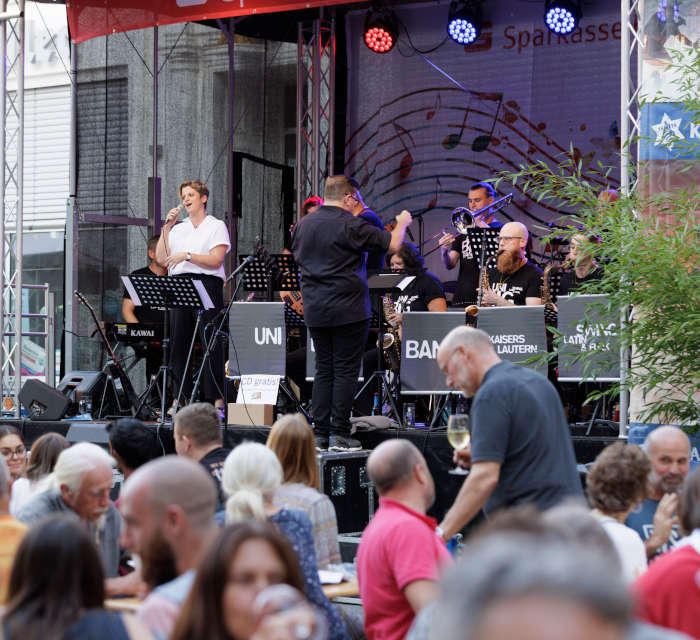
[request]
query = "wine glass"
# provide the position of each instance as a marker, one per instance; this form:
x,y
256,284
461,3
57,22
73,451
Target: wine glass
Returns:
x,y
458,436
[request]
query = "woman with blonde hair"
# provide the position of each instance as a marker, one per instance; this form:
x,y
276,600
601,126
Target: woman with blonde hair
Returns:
x,y
252,474
292,440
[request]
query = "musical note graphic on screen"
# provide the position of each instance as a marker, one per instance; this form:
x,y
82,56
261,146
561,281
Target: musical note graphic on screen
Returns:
x,y
406,163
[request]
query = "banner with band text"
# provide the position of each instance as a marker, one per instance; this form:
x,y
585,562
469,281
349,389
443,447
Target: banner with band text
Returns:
x,y
91,18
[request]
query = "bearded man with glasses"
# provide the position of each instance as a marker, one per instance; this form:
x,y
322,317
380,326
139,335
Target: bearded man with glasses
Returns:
x,y
515,281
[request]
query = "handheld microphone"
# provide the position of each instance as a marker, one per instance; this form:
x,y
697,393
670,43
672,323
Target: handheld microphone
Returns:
x,y
180,210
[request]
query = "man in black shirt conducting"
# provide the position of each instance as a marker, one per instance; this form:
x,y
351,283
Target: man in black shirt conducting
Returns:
x,y
515,281
520,450
457,250
329,248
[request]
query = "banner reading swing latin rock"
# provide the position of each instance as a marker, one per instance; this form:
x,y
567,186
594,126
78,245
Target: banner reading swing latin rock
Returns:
x,y
586,326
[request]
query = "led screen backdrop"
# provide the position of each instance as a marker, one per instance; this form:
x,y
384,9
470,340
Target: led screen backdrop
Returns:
x,y
416,139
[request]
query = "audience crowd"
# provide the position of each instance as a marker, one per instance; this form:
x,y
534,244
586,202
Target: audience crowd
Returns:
x,y
227,544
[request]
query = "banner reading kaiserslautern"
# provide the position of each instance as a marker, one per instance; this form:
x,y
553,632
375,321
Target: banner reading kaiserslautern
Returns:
x,y
669,132
91,18
517,333
422,332
599,332
258,341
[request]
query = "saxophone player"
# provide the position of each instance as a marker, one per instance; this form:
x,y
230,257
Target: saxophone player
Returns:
x,y
515,281
584,266
424,293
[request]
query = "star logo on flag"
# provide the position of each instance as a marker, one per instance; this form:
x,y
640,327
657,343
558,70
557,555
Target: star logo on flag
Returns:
x,y
667,132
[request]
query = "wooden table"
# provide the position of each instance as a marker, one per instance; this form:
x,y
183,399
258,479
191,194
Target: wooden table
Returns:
x,y
342,590
129,605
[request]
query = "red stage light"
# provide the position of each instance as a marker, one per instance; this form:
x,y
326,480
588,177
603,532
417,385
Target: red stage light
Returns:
x,y
379,40
381,30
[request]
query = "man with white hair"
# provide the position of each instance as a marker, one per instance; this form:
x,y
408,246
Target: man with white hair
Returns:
x,y
521,450
81,483
515,281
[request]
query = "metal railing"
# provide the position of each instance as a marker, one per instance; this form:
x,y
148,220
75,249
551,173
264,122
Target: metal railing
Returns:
x,y
10,390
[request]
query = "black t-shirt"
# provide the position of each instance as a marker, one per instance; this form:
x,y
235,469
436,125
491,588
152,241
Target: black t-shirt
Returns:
x,y
329,248
142,313
517,420
213,462
526,282
570,282
417,295
468,278
375,259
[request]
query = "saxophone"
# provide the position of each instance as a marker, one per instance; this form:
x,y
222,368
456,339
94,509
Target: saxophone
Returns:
x,y
546,291
391,341
473,309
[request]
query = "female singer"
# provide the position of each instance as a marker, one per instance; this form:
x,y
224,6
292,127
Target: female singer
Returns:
x,y
196,247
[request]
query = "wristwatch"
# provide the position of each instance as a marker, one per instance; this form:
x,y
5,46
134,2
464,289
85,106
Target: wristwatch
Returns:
x,y
188,256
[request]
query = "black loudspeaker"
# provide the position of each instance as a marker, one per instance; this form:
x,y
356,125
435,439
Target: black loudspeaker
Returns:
x,y
82,385
42,402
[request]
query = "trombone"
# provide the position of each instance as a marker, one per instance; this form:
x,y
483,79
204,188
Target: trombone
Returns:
x,y
463,219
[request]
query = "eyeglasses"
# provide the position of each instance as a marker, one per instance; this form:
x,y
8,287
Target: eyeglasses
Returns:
x,y
18,452
507,238
353,196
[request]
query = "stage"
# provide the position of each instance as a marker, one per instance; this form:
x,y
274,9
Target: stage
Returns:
x,y
353,500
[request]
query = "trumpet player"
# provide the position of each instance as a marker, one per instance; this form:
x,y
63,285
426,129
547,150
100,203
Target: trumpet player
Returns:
x,y
515,281
457,250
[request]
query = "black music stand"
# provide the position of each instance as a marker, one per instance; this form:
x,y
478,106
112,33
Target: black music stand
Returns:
x,y
550,315
381,283
166,292
256,275
485,242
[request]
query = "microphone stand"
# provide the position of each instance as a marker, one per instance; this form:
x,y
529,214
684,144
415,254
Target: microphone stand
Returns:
x,y
224,313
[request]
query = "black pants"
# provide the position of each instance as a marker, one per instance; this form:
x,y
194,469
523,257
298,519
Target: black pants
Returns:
x,y
338,355
182,325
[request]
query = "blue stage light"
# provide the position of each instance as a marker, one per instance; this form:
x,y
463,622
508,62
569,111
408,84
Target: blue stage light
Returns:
x,y
562,16
464,21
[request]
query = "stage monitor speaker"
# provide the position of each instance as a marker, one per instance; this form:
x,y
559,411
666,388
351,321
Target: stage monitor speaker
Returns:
x,y
43,402
80,385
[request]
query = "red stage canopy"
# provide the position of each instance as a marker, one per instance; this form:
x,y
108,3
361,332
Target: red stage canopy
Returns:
x,y
92,18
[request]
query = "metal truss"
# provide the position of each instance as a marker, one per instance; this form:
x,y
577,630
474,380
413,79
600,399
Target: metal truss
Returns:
x,y
12,198
630,87
315,106
630,131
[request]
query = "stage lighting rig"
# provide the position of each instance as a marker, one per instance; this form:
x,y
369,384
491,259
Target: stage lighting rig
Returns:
x,y
562,16
464,21
381,29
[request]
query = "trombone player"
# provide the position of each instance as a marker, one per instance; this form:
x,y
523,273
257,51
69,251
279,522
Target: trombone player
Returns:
x,y
456,249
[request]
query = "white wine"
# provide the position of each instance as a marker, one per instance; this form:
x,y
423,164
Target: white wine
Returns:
x,y
458,438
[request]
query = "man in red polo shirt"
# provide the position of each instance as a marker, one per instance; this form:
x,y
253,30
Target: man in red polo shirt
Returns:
x,y
400,557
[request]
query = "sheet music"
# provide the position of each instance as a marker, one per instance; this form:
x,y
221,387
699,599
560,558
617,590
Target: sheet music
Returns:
x,y
131,291
206,300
